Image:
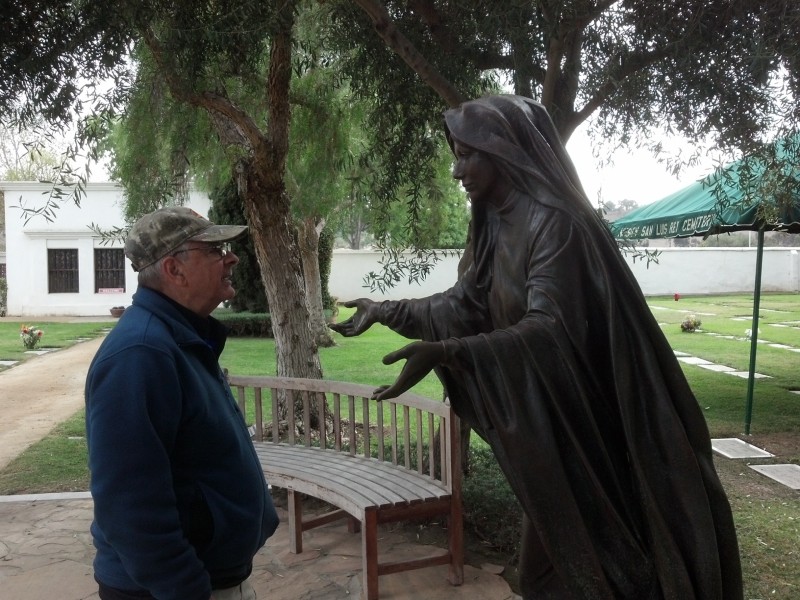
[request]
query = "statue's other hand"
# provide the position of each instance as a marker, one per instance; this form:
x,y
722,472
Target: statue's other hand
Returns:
x,y
421,358
366,314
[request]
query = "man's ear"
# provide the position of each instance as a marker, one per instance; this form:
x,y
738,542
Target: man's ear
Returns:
x,y
172,270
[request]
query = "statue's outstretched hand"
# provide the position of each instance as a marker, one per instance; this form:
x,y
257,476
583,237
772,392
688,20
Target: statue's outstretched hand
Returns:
x,y
365,316
421,358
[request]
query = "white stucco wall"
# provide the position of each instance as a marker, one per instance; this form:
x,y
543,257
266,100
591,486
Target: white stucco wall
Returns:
x,y
27,245
349,269
718,271
680,270
686,271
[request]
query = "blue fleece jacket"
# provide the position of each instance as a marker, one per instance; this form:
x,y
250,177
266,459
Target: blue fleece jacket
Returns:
x,y
180,501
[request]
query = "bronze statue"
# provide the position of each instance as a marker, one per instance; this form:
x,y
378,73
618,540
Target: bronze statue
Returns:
x,y
548,349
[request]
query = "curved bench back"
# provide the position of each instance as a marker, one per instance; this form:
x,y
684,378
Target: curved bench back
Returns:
x,y
411,431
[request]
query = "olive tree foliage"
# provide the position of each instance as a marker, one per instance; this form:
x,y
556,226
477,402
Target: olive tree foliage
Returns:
x,y
438,220
698,67
441,218
315,177
219,57
404,122
721,73
52,55
431,222
158,145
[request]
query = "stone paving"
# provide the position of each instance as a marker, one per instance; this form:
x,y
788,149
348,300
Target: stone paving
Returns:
x,y
46,554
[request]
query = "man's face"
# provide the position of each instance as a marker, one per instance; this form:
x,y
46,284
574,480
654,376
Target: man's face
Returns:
x,y
207,269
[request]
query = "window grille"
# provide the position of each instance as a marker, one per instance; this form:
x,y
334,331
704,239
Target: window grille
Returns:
x,y
109,270
62,271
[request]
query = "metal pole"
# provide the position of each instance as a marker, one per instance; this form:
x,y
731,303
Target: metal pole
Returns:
x,y
748,413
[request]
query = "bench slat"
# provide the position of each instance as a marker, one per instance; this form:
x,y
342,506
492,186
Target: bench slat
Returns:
x,y
340,387
381,484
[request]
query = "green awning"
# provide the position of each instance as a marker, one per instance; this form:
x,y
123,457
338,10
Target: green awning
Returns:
x,y
739,197
748,195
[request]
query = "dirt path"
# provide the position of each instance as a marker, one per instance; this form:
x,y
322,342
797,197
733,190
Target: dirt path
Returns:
x,y
40,393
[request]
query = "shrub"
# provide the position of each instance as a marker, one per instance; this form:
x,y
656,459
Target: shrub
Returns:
x,y
491,511
227,208
246,324
3,296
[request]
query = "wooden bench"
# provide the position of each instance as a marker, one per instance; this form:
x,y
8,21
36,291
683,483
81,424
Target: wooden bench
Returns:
x,y
397,460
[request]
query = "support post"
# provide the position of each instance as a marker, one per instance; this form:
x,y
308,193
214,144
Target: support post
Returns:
x,y
748,413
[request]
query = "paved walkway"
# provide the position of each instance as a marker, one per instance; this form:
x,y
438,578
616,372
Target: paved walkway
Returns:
x,y
39,393
46,554
46,551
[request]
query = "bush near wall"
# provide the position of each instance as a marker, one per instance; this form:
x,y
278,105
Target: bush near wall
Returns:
x,y
249,324
3,296
246,324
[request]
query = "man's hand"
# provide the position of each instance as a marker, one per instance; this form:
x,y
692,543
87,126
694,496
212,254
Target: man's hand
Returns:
x,y
421,358
367,313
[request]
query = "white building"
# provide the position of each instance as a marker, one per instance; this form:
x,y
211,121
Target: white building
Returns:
x,y
60,266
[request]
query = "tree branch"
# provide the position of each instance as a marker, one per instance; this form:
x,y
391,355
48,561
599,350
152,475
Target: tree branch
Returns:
x,y
239,128
280,75
555,50
630,65
437,27
399,43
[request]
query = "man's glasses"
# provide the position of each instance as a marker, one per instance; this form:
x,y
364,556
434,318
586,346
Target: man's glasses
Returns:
x,y
218,251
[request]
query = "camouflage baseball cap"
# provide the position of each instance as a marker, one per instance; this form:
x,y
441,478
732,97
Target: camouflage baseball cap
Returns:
x,y
160,232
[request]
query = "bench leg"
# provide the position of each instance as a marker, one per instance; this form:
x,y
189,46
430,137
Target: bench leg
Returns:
x,y
353,525
295,501
369,555
455,535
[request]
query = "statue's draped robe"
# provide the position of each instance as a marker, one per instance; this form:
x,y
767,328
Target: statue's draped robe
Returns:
x,y
555,359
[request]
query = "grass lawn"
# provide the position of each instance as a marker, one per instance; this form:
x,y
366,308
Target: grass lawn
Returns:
x,y
56,335
767,514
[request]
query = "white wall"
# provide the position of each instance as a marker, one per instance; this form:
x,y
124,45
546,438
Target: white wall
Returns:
x,y
349,269
680,270
718,271
27,245
685,271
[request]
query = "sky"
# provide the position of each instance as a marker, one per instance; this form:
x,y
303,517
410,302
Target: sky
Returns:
x,y
635,175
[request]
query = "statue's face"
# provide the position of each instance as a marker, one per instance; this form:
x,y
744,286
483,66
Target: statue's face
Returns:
x,y
478,175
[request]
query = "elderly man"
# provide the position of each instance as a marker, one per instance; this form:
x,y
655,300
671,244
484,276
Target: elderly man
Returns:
x,y
180,501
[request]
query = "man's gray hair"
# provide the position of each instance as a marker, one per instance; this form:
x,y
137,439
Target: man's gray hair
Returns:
x,y
150,276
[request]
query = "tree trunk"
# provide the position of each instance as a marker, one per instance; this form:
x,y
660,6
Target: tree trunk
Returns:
x,y
261,182
267,210
308,238
267,206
